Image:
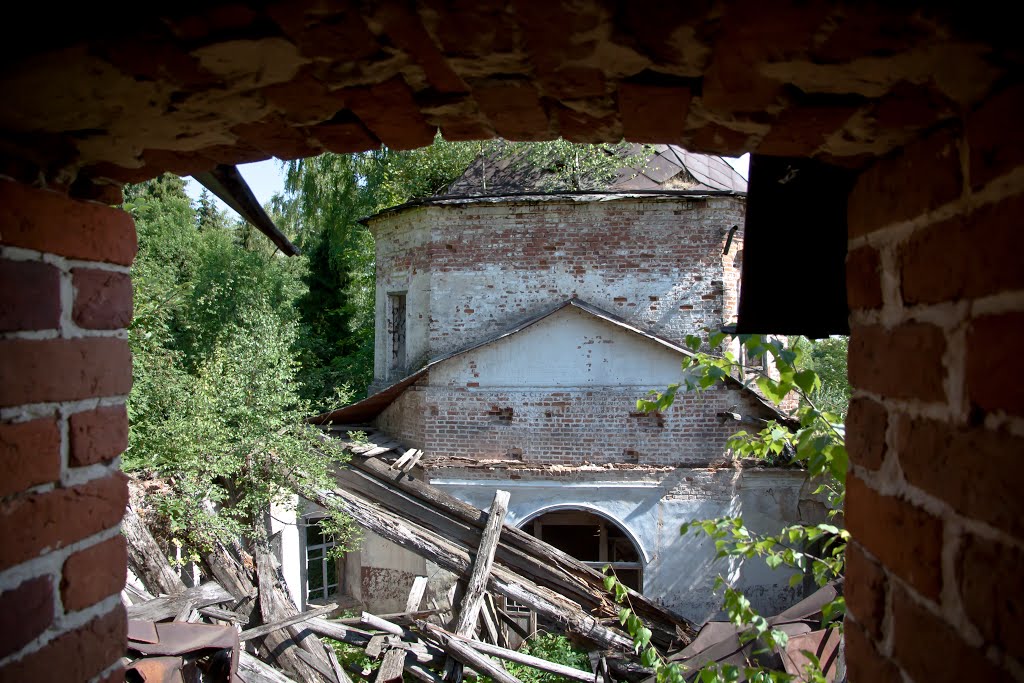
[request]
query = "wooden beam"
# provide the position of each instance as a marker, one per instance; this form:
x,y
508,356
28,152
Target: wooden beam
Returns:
x,y
282,623
469,610
228,184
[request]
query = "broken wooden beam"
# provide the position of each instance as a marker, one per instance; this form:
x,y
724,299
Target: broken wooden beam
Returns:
x,y
169,606
469,657
528,556
282,623
476,589
558,610
513,656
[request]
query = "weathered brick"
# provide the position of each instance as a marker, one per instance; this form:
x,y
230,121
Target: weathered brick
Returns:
x,y
98,435
390,112
992,343
929,649
863,279
923,176
344,136
103,299
864,664
801,130
25,612
906,539
277,137
51,222
865,590
866,423
899,362
653,113
37,371
995,136
92,574
31,296
75,656
514,109
405,29
929,450
989,573
38,523
965,257
29,454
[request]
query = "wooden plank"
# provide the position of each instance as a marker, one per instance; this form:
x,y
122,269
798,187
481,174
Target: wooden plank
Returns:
x,y
469,610
375,647
145,558
419,587
512,623
392,667
339,672
282,623
413,462
337,631
169,606
564,613
490,628
253,670
534,559
402,459
468,656
520,658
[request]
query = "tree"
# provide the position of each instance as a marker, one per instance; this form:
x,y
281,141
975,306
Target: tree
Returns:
x,y
817,443
327,196
214,410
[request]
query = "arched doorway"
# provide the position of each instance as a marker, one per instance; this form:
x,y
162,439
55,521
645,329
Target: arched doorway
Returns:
x,y
591,538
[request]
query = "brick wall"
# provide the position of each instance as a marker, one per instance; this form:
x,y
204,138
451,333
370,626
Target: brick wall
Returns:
x,y
936,426
656,262
65,371
571,425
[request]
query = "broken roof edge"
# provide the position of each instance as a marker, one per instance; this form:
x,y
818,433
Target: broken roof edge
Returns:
x,y
534,196
372,406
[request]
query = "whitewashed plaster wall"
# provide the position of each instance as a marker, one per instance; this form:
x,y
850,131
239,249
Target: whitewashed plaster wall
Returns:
x,y
679,571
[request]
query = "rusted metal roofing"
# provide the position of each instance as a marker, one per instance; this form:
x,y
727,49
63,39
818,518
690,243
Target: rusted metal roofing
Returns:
x,y
369,408
667,167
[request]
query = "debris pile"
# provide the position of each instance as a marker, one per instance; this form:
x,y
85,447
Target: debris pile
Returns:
x,y
243,626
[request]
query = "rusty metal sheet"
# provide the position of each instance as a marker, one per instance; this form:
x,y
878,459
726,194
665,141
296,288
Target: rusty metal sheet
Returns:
x,y
180,638
142,631
159,669
824,645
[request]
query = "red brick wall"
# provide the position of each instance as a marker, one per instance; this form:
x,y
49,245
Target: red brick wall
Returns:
x,y
482,267
565,426
64,374
936,426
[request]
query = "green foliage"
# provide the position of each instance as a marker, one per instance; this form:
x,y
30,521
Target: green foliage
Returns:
x,y
215,408
325,199
327,196
812,436
553,648
570,165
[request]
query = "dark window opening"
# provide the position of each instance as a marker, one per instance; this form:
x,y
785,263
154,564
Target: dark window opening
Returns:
x,y
396,334
592,540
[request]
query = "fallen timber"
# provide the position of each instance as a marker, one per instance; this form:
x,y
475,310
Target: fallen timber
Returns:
x,y
517,550
568,615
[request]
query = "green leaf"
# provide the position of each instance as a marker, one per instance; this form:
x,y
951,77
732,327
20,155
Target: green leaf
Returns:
x,y
649,657
807,380
609,582
692,342
715,340
624,615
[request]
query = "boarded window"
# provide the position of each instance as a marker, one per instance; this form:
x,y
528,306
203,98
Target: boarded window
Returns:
x,y
396,334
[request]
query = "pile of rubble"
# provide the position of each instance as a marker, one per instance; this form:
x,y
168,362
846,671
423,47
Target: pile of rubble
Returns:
x,y
243,626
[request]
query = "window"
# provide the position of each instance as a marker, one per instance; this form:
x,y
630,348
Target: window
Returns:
x,y
396,334
591,539
321,571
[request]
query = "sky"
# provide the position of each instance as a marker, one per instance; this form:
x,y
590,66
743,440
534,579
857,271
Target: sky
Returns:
x,y
266,178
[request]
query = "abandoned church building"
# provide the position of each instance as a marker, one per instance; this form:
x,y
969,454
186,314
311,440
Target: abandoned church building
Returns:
x,y
516,330
907,113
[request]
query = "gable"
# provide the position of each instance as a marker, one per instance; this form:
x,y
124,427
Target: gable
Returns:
x,y
570,347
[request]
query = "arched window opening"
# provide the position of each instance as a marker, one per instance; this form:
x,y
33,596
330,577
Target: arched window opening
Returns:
x,y
592,539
